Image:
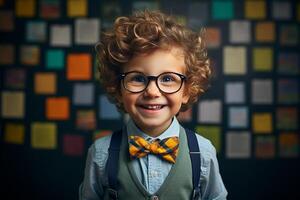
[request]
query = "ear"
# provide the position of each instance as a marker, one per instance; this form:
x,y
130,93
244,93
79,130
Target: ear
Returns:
x,y
185,97
118,97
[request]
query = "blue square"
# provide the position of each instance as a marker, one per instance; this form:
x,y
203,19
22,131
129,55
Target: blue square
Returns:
x,y
238,117
36,31
83,94
107,109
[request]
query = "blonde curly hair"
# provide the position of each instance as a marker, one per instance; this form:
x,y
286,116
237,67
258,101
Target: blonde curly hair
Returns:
x,y
145,32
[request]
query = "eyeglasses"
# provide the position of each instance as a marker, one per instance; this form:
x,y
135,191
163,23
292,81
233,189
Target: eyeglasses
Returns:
x,y
167,82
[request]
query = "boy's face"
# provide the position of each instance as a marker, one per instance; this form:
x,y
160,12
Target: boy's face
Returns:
x,y
152,110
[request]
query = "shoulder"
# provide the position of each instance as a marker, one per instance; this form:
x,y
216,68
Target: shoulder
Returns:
x,y
102,144
212,183
208,155
205,146
99,150
207,152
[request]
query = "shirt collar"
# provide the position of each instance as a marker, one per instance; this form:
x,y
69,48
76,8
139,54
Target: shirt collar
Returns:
x,y
172,131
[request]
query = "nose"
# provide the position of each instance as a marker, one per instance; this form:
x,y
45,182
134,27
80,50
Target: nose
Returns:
x,y
152,90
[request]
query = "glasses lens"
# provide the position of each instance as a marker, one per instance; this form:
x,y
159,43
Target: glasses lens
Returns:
x,y
169,82
135,82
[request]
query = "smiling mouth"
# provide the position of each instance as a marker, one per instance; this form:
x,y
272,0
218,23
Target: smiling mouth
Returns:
x,y
152,107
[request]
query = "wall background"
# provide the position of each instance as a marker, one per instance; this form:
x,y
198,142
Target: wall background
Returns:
x,y
52,107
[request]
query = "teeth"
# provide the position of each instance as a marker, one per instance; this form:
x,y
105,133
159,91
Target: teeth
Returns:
x,y
153,107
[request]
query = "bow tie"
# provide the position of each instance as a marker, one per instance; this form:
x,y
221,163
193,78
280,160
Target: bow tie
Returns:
x,y
166,149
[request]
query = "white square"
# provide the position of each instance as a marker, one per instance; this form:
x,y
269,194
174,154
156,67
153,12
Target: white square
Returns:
x,y
240,31
210,111
238,117
60,35
87,31
262,91
235,92
238,144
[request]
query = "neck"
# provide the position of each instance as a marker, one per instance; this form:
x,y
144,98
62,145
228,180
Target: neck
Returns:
x,y
155,132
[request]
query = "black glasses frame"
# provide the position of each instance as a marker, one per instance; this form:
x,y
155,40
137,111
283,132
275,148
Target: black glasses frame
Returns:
x,y
152,78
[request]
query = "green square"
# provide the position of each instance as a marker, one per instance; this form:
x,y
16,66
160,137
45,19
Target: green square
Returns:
x,y
55,59
212,133
222,9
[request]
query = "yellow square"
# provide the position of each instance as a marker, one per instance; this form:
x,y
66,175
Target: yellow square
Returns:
x,y
45,83
181,19
262,123
298,11
235,60
262,59
255,9
77,8
43,135
13,104
25,8
14,133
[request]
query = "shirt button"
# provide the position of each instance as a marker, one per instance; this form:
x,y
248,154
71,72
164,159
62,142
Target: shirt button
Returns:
x,y
154,198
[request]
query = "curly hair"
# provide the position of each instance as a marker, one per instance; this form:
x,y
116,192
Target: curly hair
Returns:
x,y
145,32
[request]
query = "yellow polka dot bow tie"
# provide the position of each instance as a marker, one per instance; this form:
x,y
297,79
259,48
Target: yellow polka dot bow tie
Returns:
x,y
166,149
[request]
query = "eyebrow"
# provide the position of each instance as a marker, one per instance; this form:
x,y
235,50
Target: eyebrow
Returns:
x,y
154,75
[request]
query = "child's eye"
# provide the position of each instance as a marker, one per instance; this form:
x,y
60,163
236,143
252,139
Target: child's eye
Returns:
x,y
138,78
167,78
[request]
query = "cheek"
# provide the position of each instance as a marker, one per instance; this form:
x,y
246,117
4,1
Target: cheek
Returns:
x,y
128,100
125,101
176,100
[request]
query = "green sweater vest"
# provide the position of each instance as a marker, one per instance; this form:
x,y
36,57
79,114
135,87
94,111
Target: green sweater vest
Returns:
x,y
177,185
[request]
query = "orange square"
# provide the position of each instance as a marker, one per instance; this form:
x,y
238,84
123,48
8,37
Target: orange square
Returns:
x,y
265,31
7,55
25,8
213,37
45,83
57,108
79,67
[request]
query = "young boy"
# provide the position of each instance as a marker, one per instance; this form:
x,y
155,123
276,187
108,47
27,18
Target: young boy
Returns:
x,y
152,68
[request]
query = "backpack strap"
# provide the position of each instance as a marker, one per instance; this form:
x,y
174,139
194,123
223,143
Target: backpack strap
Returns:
x,y
112,164
196,162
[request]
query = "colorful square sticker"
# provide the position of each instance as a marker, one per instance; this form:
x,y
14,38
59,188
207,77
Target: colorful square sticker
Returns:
x,y
222,9
44,135
79,66
73,145
57,108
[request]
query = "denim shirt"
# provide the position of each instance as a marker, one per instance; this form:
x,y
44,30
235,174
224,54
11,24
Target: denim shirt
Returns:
x,y
150,170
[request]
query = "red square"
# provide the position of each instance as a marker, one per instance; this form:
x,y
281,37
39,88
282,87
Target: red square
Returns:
x,y
73,145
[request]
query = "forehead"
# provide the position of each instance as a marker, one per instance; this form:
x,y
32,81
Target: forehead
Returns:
x,y
157,61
